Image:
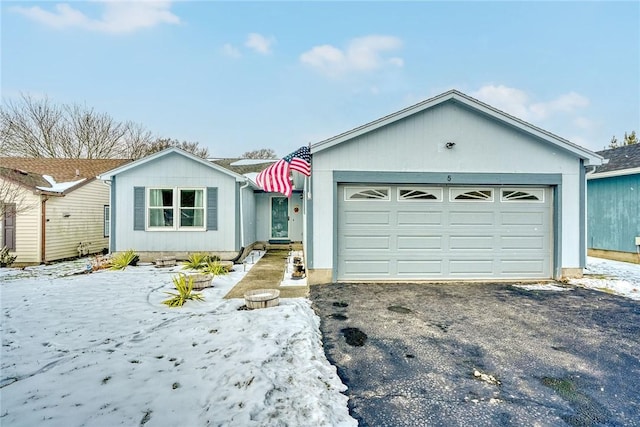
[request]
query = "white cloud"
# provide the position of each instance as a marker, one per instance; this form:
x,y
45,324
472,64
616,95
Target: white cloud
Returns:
x,y
398,62
518,103
509,100
259,43
231,51
361,54
567,103
117,17
583,123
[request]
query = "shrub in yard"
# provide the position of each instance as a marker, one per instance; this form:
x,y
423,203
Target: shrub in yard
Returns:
x,y
184,286
196,261
123,259
214,268
6,259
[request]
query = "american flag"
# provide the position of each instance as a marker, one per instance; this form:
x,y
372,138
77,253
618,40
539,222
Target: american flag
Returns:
x,y
276,178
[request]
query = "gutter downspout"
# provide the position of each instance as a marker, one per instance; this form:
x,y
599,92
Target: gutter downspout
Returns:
x,y
111,229
246,184
43,228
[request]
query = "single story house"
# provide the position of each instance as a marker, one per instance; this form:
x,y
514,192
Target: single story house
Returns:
x,y
175,203
613,205
54,208
448,189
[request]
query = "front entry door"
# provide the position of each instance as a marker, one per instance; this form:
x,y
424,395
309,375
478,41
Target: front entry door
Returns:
x,y
279,218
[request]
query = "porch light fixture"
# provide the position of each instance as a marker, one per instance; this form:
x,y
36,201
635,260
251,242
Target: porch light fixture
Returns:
x,y
449,145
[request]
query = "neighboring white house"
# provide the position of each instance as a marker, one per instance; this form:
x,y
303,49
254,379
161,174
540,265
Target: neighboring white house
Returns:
x,y
447,189
55,208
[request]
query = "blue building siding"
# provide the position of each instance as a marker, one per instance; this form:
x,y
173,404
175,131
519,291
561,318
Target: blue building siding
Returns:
x,y
613,213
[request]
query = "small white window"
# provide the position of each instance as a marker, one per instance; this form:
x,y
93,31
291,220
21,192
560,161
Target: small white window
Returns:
x,y
522,195
366,193
471,195
420,194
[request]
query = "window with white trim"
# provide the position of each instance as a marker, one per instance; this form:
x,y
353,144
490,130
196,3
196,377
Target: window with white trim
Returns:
x,y
419,194
181,208
522,195
471,195
366,193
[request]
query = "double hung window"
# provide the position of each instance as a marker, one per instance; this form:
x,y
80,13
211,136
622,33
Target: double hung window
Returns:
x,y
181,208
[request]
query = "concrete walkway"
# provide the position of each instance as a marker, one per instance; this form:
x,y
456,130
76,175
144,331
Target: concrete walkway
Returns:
x,y
267,274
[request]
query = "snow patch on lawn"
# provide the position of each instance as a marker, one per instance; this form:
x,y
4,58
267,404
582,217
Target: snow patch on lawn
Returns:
x,y
620,278
101,349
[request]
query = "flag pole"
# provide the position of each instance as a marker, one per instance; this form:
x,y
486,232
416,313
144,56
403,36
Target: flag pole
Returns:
x,y
309,177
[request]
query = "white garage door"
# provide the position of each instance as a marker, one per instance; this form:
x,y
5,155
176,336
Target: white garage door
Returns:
x,y
393,232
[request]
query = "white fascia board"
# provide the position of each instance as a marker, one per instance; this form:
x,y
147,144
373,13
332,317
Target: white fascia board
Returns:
x,y
591,158
610,174
109,174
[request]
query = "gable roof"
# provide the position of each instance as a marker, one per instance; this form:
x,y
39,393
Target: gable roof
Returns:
x,y
590,157
244,166
623,160
54,175
172,150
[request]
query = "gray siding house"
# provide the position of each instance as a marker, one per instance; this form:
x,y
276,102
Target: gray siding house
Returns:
x,y
175,203
447,189
613,200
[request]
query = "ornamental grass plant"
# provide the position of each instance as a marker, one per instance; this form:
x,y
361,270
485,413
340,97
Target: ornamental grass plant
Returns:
x,y
184,288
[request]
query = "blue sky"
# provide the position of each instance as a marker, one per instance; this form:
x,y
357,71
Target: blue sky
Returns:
x,y
237,76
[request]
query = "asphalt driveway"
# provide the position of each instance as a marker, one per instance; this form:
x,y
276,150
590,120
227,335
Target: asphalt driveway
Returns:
x,y
483,354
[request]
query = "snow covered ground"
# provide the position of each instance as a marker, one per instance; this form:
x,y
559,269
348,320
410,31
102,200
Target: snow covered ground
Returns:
x,y
101,349
621,278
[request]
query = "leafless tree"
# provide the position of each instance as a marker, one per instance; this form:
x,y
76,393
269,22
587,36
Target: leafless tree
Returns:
x,y
192,147
263,153
35,127
137,141
30,127
12,195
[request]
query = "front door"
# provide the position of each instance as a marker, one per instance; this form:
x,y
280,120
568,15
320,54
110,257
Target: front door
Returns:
x,y
279,218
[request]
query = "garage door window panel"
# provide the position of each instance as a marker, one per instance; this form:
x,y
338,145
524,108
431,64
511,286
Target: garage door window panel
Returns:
x,y
471,195
366,193
529,195
421,194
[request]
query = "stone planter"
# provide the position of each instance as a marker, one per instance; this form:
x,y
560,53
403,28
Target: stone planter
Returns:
x,y
262,298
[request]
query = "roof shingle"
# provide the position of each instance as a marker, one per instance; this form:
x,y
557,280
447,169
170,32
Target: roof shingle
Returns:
x,y
29,171
625,157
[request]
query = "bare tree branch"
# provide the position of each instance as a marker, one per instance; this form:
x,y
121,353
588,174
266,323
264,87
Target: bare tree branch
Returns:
x,y
262,153
12,194
33,127
192,147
